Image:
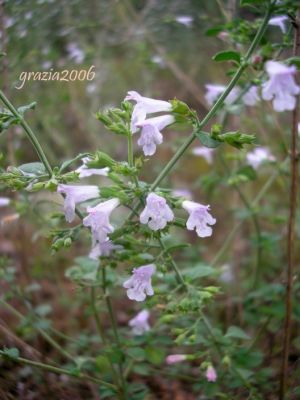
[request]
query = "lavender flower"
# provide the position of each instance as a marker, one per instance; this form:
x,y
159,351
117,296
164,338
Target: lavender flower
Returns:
x,y
4,201
211,374
185,20
157,213
258,156
199,218
214,91
76,194
84,171
139,284
75,53
144,106
204,152
182,193
150,135
103,249
98,220
281,86
139,323
175,358
251,97
279,21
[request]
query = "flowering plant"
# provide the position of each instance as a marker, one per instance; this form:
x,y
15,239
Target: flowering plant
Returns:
x,y
132,225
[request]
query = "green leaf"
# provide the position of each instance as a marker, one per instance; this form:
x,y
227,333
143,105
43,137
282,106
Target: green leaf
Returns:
x,y
198,271
155,355
236,332
13,353
32,169
23,109
294,61
229,55
207,140
136,353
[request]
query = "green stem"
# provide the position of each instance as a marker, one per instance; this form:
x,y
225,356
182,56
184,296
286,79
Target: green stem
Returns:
x,y
96,316
44,334
115,331
56,370
218,103
28,131
253,204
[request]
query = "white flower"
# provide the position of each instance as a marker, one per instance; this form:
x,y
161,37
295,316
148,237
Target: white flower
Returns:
x,y
84,171
251,97
213,92
281,86
139,284
279,21
157,213
139,323
4,201
98,220
259,155
144,106
204,152
150,134
103,249
186,20
76,194
199,218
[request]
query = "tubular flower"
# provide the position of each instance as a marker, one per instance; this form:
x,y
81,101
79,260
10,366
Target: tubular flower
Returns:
x,y
151,135
281,86
139,284
98,220
103,249
204,152
76,194
259,155
211,374
144,106
214,91
84,171
199,218
4,201
139,323
175,358
157,213
251,97
279,21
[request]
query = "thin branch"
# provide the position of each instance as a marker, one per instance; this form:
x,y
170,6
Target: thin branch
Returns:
x,y
294,157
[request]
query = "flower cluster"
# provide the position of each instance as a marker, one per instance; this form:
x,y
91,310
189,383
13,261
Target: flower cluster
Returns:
x,y
150,128
281,87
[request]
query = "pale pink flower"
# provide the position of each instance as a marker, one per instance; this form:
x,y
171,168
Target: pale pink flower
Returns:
x,y
151,135
139,323
204,152
259,155
76,194
84,171
281,86
199,218
211,374
157,213
279,21
251,97
175,358
139,284
144,106
98,220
